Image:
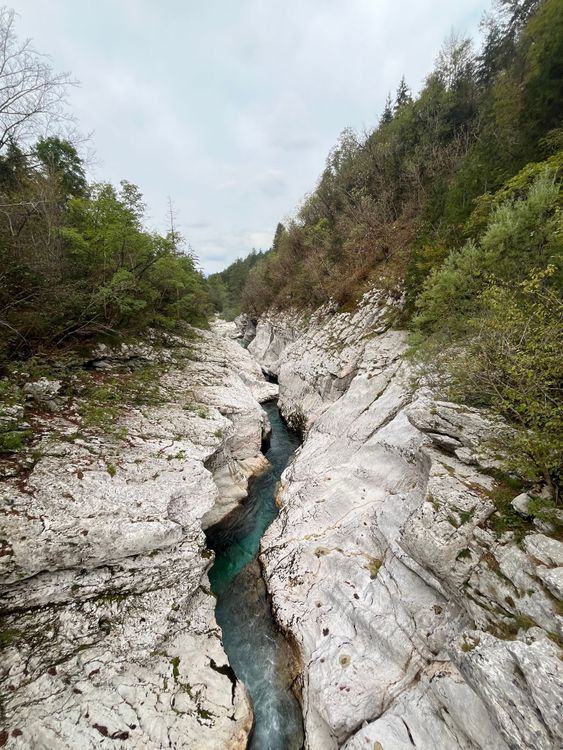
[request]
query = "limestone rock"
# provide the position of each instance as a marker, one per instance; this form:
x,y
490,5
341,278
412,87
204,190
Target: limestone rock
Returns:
x,y
521,503
522,685
384,554
227,328
242,328
545,549
246,328
44,392
109,632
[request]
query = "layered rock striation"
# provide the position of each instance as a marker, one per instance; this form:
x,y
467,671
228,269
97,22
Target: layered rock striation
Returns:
x,y
422,619
108,635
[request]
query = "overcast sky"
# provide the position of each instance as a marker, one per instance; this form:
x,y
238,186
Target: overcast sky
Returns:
x,y
231,106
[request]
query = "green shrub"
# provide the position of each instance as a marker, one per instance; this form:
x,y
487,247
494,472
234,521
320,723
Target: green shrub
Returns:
x,y
490,327
14,440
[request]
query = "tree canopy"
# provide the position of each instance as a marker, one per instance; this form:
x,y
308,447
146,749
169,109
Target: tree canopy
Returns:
x,y
393,204
76,261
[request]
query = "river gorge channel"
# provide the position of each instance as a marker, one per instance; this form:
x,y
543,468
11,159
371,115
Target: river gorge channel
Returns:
x,y
257,651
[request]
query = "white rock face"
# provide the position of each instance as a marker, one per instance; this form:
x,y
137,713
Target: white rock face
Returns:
x,y
417,624
271,339
226,328
242,328
109,635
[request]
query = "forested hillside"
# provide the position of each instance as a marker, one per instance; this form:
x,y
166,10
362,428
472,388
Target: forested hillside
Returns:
x,y
76,261
226,287
391,206
453,202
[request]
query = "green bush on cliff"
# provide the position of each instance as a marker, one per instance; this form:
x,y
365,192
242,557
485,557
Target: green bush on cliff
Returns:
x,y
76,260
490,323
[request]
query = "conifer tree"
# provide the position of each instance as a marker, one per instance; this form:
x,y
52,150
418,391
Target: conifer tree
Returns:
x,y
387,114
403,95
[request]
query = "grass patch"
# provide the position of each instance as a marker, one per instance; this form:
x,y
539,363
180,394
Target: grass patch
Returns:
x,y
179,456
99,397
466,515
14,441
508,629
505,518
548,511
14,433
435,504
374,564
112,598
464,554
102,396
556,638
7,637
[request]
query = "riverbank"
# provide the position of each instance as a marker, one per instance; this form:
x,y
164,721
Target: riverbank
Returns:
x,y
108,626
423,598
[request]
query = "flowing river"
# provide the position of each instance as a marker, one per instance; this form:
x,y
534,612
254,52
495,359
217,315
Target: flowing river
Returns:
x,y
259,655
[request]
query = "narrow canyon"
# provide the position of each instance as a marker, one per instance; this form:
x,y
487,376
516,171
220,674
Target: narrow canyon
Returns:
x,y
383,605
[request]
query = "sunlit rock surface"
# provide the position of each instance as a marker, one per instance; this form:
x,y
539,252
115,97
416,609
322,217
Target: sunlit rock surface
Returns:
x,y
417,624
109,635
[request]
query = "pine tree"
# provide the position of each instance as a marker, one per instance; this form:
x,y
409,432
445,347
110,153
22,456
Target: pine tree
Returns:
x,y
280,231
60,159
387,114
403,95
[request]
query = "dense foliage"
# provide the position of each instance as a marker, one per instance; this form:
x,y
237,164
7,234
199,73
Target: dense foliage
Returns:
x,y
391,206
454,200
489,322
226,287
76,261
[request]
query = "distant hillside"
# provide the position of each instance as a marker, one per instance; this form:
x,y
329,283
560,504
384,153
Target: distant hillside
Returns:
x,y
226,287
391,206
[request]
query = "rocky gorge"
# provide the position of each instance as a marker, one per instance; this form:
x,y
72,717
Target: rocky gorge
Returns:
x,y
418,591
109,636
423,598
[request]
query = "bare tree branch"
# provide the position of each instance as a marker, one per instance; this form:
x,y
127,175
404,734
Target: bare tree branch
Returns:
x,y
31,93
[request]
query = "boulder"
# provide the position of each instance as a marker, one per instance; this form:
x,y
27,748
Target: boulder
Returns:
x,y
44,392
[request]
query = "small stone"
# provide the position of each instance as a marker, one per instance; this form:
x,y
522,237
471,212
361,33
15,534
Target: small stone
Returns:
x,y
521,504
44,392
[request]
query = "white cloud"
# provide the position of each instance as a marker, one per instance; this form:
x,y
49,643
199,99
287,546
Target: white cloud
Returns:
x,y
271,183
231,107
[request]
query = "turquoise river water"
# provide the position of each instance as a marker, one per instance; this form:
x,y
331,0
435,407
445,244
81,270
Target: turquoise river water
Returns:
x,y
258,653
